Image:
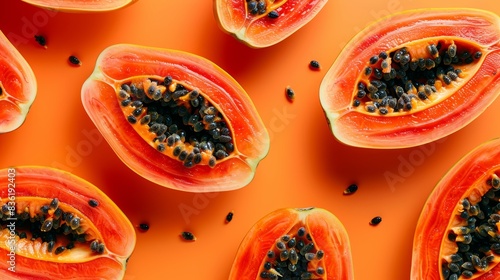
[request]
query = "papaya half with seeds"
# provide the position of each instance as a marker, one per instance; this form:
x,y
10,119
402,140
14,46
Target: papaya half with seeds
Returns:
x,y
295,243
457,235
413,77
80,6
18,86
50,229
263,23
175,118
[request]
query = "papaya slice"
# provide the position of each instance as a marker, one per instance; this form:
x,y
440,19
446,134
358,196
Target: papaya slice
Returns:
x,y
80,6
413,77
55,225
457,235
294,243
175,118
263,23
18,86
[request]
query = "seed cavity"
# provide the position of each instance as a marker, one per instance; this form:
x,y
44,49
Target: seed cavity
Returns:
x,y
294,256
406,79
58,230
177,120
476,235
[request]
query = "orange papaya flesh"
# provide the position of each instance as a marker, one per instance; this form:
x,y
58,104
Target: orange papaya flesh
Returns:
x,y
264,23
307,243
18,86
53,230
415,76
175,118
457,234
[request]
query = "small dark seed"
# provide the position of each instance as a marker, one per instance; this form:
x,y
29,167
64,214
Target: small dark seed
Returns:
x,y
273,14
376,220
186,235
351,189
41,40
314,64
93,203
373,59
132,119
229,217
59,250
74,60
144,227
290,94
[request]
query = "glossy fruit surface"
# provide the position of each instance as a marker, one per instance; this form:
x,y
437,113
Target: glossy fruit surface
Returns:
x,y
175,118
457,232
295,242
79,6
18,86
264,23
55,232
413,78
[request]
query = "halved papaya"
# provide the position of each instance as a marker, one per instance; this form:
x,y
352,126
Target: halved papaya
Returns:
x,y
80,5
413,77
295,243
175,118
55,225
458,235
18,86
263,23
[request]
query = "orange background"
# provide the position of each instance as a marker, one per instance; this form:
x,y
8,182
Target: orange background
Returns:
x,y
306,166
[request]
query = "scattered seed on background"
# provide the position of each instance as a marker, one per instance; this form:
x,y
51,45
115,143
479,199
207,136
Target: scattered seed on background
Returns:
x,y
186,235
74,60
41,40
352,188
229,216
144,227
290,94
376,220
314,64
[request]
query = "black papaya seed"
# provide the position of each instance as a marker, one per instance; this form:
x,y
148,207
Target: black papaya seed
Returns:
x,y
352,188
229,217
376,220
74,60
186,235
144,227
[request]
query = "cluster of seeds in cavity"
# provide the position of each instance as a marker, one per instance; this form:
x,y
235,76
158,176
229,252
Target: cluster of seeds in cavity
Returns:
x,y
478,239
293,257
393,81
259,7
182,119
48,225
